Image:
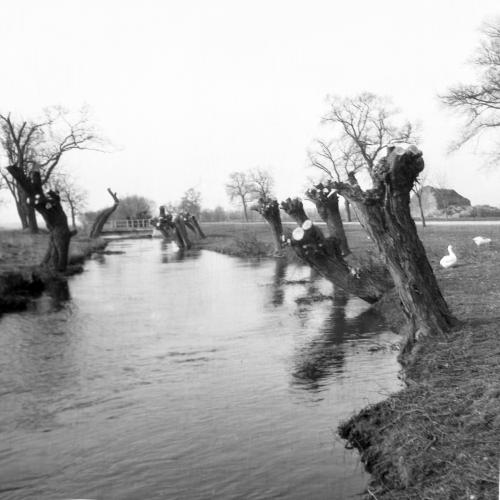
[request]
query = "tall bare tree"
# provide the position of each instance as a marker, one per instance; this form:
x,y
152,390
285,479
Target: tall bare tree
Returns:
x,y
262,183
239,187
41,143
375,133
72,195
480,102
364,126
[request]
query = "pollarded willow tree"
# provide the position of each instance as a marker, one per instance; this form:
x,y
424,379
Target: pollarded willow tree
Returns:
x,y
42,143
48,205
383,208
384,212
479,102
269,209
325,256
363,126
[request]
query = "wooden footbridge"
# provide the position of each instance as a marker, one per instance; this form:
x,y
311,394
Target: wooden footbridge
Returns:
x,y
118,226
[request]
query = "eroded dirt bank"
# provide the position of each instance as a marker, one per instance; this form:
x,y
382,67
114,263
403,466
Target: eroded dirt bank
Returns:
x,y
440,437
21,277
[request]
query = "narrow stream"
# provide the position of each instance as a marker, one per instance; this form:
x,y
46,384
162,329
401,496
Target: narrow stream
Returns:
x,y
159,375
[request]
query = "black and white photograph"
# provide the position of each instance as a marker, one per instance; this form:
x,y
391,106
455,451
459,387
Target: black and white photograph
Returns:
x,y
250,250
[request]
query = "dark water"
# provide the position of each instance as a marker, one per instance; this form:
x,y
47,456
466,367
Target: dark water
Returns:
x,y
186,377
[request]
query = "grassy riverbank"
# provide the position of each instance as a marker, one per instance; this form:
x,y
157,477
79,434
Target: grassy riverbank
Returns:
x,y
21,277
440,437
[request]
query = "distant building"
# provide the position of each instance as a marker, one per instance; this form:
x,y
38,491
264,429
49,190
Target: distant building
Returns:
x,y
439,203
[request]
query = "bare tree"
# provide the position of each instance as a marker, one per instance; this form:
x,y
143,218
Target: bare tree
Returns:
x,y
240,188
191,202
366,125
480,102
103,216
72,195
384,212
372,131
263,183
41,143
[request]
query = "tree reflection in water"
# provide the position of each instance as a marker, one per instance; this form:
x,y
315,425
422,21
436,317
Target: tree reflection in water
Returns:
x,y
324,355
56,297
278,293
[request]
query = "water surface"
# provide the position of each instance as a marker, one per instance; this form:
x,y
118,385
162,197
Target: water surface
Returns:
x,y
161,375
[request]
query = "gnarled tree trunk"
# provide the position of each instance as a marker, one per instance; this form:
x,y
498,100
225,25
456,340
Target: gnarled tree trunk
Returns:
x,y
181,234
167,224
269,209
324,255
48,205
384,211
197,226
103,216
191,222
327,204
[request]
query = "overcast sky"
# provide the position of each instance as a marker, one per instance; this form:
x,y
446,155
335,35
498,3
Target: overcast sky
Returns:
x,y
189,91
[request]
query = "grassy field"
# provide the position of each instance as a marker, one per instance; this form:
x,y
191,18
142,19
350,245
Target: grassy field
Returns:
x,y
440,437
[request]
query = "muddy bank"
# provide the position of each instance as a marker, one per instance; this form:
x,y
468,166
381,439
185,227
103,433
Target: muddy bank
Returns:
x,y
22,279
440,437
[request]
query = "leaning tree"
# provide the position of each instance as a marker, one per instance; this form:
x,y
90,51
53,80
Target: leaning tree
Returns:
x,y
270,210
103,216
325,256
373,131
48,205
42,143
384,212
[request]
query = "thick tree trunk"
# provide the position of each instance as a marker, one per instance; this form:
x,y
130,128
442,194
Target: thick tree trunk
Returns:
x,y
197,226
164,223
103,216
21,208
191,222
32,222
384,212
269,209
327,205
48,205
324,255
180,231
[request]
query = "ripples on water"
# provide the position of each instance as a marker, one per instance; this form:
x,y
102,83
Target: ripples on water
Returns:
x,y
162,375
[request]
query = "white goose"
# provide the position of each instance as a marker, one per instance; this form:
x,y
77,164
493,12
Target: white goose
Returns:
x,y
479,240
449,260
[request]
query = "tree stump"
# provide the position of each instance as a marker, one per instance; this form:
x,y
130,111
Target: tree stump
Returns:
x,y
269,209
324,255
326,200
